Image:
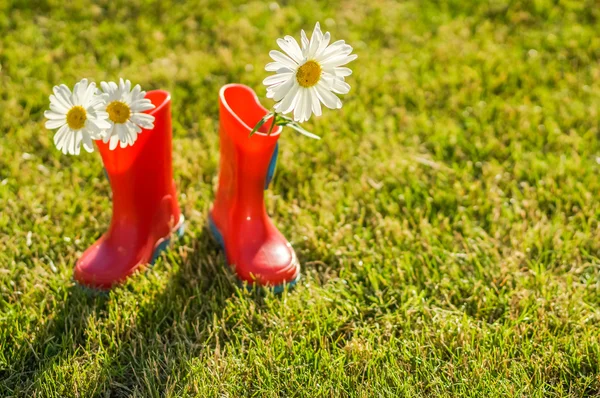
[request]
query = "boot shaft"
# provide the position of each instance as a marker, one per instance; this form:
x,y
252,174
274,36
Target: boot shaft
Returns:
x,y
244,160
141,175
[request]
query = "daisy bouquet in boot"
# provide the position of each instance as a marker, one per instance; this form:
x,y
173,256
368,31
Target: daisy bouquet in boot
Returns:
x,y
306,75
132,130
113,114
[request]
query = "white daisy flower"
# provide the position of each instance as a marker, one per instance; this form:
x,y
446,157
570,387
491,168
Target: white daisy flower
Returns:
x,y
308,76
79,117
125,109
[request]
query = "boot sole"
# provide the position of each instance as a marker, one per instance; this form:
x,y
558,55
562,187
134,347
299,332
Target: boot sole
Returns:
x,y
160,246
218,237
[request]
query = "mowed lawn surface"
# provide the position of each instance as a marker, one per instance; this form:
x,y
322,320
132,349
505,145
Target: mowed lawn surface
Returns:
x,y
447,222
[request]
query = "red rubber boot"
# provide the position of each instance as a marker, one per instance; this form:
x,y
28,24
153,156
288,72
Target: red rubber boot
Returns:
x,y
255,249
145,208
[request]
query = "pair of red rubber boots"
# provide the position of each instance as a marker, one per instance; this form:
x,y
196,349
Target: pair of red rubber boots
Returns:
x,y
146,213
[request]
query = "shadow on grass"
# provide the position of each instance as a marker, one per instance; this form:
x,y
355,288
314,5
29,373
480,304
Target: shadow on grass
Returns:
x,y
187,319
187,324
59,337
172,328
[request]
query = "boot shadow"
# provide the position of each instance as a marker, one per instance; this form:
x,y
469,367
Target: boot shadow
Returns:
x,y
58,338
175,327
172,328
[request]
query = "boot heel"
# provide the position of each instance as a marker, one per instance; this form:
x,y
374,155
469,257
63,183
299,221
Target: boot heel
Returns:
x,y
163,245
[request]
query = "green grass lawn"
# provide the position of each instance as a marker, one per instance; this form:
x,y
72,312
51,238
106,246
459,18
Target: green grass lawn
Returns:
x,y
447,223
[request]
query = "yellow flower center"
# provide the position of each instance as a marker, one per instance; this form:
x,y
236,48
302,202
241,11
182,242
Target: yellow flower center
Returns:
x,y
118,111
309,74
76,117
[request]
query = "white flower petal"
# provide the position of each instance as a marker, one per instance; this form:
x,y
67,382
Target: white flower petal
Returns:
x,y
290,46
58,108
60,135
98,114
277,78
323,45
305,42
97,101
283,59
111,90
287,70
124,86
342,71
327,97
299,108
338,61
135,93
114,141
130,134
105,87
75,144
316,104
64,144
274,66
56,123
133,131
282,90
88,144
102,123
143,120
108,134
315,41
328,79
307,105
335,48
271,90
121,131
52,115
89,93
79,92
62,94
92,129
141,105
289,101
62,141
340,86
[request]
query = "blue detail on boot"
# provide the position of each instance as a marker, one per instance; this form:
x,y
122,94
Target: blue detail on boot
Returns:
x,y
215,232
272,166
165,244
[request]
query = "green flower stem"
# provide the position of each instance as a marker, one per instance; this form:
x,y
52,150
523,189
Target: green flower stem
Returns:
x,y
273,124
281,120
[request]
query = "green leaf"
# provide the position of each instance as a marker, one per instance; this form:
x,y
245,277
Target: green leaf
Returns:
x,y
275,117
285,120
260,123
299,129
